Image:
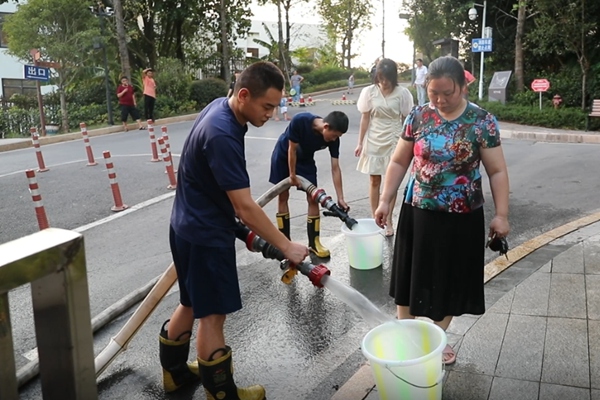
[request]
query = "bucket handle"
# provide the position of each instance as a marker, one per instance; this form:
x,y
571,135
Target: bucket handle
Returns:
x,y
440,379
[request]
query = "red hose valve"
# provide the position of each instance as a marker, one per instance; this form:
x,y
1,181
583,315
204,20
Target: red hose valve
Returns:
x,y
317,273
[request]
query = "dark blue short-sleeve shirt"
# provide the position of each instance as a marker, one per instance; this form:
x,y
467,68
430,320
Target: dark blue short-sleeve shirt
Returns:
x,y
300,131
212,163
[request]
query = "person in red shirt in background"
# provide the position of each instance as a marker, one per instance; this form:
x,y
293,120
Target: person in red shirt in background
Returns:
x,y
469,78
126,95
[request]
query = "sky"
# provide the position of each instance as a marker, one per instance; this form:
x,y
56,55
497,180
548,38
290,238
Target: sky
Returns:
x,y
398,46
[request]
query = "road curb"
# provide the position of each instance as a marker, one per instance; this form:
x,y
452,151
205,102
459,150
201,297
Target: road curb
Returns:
x,y
359,385
551,137
65,137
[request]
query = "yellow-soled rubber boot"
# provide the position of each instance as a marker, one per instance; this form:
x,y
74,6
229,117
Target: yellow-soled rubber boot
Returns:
x,y
313,228
177,371
217,377
283,223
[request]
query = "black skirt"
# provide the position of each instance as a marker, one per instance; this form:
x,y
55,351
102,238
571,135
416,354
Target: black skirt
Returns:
x,y
437,267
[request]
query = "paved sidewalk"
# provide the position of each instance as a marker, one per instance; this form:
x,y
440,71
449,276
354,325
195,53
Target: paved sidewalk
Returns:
x,y
540,337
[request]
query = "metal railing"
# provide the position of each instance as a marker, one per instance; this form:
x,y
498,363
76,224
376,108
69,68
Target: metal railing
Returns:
x,y
53,262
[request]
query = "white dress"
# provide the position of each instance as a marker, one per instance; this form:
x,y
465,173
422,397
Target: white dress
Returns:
x,y
387,116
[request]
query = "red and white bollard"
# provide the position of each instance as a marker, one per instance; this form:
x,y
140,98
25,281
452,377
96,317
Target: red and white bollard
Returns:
x,y
112,176
38,151
88,147
40,212
168,164
153,141
165,137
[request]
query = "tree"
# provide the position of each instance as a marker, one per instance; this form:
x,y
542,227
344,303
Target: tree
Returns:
x,y
562,28
63,31
122,39
345,19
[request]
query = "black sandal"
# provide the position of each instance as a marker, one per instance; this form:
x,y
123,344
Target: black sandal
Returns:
x,y
142,128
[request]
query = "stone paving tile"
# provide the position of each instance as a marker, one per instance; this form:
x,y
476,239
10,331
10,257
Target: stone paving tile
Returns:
x,y
591,255
592,287
570,261
492,296
567,296
559,392
505,388
503,305
460,325
523,348
566,359
595,394
465,386
546,267
594,344
531,296
480,347
508,279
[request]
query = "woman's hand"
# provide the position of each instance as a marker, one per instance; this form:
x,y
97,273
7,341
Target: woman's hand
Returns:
x,y
381,214
499,226
358,150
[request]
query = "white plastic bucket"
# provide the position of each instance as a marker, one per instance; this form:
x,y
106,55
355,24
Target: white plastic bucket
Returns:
x,y
364,243
406,359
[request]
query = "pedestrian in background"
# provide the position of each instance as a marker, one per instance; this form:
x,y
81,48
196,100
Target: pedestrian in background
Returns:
x,y
438,261
294,154
232,84
351,84
383,107
296,81
149,93
469,79
419,84
283,108
126,95
213,187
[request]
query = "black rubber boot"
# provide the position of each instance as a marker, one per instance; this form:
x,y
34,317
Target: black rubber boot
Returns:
x,y
217,377
313,228
177,371
283,223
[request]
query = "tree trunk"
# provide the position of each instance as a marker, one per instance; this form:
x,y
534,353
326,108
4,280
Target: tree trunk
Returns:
x,y
225,68
63,103
288,58
122,39
519,73
149,35
283,65
349,35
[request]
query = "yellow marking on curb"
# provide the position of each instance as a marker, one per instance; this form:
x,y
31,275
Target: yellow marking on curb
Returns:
x,y
500,264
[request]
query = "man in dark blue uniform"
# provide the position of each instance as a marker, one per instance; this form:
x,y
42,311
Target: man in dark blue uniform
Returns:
x,y
294,155
213,188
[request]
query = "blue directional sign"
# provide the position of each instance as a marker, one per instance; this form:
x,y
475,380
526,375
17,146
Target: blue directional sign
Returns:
x,y
37,73
483,45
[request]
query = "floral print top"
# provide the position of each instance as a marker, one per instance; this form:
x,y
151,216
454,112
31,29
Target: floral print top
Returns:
x,y
446,156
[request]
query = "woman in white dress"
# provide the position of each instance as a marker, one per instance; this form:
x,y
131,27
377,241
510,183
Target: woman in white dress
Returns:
x,y
383,107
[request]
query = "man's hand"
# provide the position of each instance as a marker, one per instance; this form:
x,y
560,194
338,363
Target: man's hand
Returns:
x,y
343,205
295,252
294,181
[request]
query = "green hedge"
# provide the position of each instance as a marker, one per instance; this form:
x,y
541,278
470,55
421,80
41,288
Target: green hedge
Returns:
x,y
204,91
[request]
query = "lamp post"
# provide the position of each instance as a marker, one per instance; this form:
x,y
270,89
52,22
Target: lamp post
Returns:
x,y
102,12
407,17
472,17
383,29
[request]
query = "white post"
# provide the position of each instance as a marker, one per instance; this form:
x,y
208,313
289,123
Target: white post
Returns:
x,y
482,53
540,100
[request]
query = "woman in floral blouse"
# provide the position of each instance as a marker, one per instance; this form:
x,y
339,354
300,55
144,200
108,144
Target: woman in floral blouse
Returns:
x,y
438,260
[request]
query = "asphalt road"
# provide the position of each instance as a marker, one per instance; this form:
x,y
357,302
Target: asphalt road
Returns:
x,y
298,341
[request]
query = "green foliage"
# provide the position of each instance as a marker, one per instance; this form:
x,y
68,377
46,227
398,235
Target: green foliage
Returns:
x,y
169,107
562,118
172,81
15,122
204,91
333,85
326,74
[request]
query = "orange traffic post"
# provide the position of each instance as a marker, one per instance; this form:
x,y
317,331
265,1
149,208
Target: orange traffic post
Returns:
x,y
112,176
88,146
168,164
40,212
38,151
153,141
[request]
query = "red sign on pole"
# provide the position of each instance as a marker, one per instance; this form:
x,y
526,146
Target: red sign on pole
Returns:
x,y
540,85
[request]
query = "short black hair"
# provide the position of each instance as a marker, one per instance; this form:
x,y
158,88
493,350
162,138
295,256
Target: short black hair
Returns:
x,y
419,59
387,69
260,77
447,67
338,121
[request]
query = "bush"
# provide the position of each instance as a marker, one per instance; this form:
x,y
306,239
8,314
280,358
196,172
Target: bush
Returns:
x,y
171,79
204,91
562,118
325,74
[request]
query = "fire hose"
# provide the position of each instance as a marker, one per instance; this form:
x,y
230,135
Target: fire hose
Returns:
x,y
119,342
